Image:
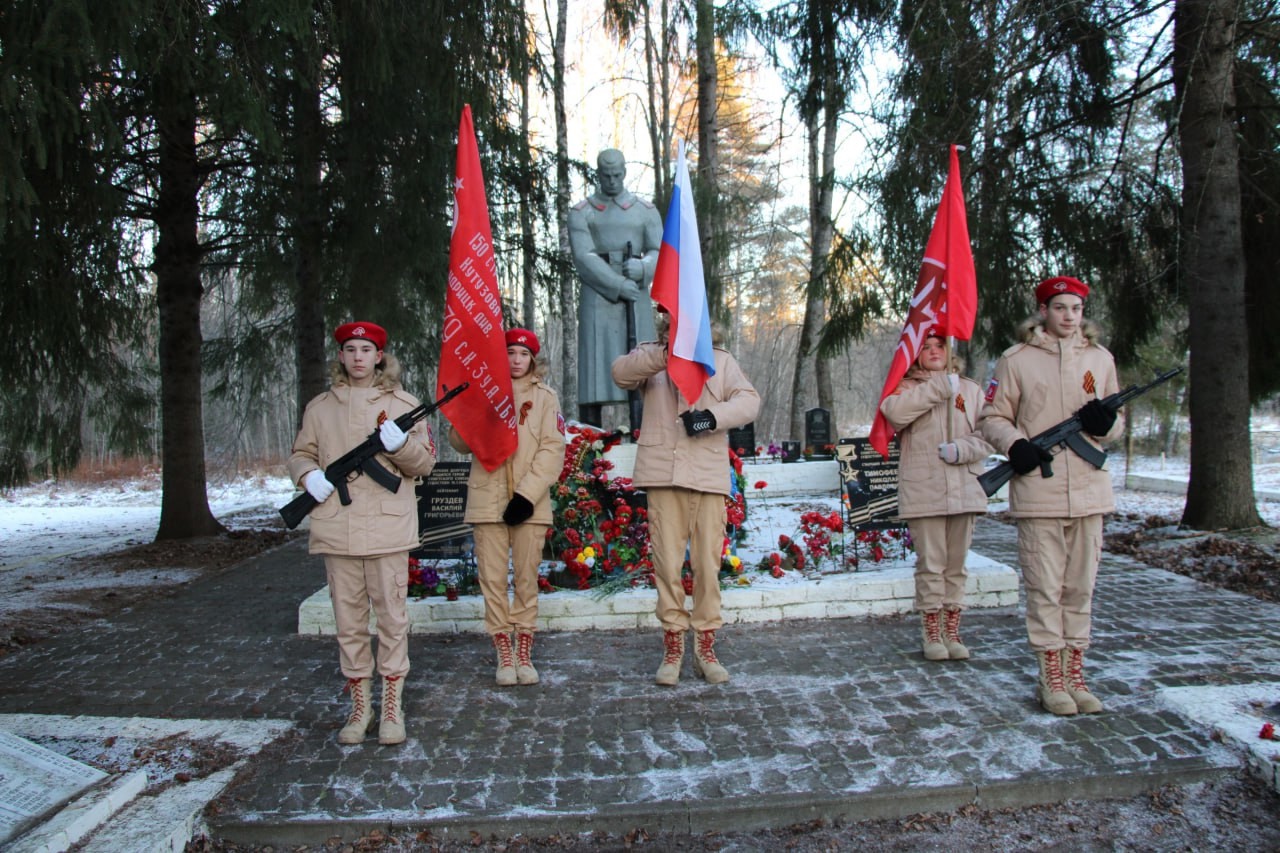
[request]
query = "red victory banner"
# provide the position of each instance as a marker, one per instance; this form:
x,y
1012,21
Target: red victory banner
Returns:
x,y
946,297
473,346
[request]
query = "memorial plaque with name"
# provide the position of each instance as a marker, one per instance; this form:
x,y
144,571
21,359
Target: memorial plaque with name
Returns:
x,y
817,431
442,501
34,781
743,440
870,483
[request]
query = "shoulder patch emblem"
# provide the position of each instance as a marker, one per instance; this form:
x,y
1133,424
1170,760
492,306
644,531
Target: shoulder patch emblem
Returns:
x,y
560,423
991,390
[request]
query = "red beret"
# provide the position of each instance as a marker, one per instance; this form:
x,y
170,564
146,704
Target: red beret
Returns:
x,y
524,338
371,332
1052,287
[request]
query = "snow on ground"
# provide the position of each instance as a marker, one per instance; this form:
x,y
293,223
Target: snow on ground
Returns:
x,y
1238,712
51,532
44,528
52,520
43,525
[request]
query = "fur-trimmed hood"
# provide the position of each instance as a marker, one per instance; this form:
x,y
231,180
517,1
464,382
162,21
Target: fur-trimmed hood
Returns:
x,y
386,377
1033,327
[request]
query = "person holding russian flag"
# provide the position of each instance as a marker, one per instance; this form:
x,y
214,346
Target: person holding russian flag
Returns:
x,y
693,392
682,463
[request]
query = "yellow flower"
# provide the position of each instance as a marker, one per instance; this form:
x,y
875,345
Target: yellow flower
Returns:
x,y
588,552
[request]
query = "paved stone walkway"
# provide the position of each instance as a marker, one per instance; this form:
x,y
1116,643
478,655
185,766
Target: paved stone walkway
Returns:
x,y
823,718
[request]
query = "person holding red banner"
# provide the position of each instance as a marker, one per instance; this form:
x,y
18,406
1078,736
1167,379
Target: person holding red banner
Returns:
x,y
1057,370
510,508
365,543
682,463
934,410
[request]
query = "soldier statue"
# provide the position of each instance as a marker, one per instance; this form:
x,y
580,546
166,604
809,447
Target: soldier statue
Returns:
x,y
614,236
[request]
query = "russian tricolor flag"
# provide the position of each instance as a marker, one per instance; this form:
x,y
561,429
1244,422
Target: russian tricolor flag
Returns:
x,y
680,289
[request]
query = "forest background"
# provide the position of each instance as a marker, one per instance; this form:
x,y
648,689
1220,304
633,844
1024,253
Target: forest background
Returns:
x,y
196,192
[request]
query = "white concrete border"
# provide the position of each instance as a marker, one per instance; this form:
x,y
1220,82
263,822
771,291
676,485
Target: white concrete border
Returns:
x,y
863,593
785,479
1178,486
126,820
1235,712
82,816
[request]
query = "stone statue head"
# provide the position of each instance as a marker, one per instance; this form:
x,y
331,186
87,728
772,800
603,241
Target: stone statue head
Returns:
x,y
611,171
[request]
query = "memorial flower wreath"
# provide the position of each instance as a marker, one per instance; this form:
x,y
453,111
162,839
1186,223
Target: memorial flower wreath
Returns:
x,y
599,536
600,530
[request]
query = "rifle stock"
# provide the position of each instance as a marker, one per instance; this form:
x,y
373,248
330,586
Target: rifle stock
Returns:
x,y
360,459
1067,434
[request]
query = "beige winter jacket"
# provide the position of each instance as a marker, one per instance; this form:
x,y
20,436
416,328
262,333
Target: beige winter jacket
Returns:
x,y
665,454
1039,383
919,409
531,470
377,521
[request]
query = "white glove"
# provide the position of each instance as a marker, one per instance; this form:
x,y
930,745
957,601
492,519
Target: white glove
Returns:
x,y
949,453
317,485
393,438
954,381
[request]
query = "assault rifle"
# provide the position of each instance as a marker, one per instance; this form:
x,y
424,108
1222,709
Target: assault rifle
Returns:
x,y
1067,434
360,459
634,408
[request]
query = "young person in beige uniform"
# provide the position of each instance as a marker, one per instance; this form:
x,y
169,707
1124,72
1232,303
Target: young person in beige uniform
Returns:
x,y
366,543
934,411
1058,370
510,509
682,463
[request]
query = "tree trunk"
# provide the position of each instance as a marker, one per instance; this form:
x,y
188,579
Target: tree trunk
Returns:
x,y
709,218
309,333
822,114
824,236
803,396
1220,492
528,242
566,278
657,60
184,506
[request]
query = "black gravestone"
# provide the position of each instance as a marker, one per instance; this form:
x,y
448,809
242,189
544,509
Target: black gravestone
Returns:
x,y
817,432
790,451
742,440
442,502
870,483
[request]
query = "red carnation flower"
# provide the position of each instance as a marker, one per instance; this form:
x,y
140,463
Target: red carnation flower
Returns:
x,y
1268,732
760,484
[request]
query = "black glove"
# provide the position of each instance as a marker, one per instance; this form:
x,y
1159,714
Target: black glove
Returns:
x,y
1025,457
698,421
518,510
1096,418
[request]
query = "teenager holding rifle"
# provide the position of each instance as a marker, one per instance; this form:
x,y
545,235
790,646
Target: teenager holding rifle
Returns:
x,y
1056,371
365,543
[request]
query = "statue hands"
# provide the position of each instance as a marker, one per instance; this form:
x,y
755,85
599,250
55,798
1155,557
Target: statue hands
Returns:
x,y
628,292
633,268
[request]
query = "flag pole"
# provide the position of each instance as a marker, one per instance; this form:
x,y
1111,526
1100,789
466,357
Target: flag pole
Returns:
x,y
951,404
